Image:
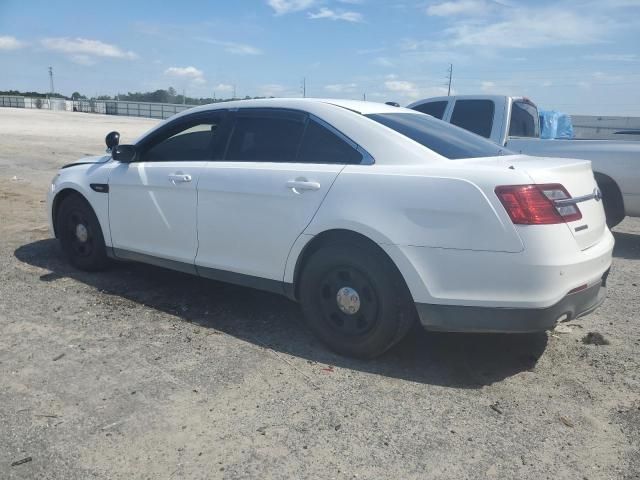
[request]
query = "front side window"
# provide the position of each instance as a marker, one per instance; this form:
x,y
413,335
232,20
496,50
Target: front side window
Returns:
x,y
193,139
474,115
524,120
263,135
321,145
445,139
435,109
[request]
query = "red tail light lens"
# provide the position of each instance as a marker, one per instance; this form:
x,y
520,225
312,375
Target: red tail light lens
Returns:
x,y
534,204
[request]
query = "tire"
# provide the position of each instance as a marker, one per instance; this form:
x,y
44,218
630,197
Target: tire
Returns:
x,y
367,324
611,201
80,234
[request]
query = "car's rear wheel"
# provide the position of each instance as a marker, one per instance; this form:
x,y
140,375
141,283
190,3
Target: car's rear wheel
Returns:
x,y
611,200
355,300
80,234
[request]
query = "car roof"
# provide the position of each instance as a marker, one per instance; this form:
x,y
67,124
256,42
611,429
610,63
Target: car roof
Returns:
x,y
357,106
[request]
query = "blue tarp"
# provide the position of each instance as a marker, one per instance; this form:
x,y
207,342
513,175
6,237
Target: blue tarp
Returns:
x,y
555,125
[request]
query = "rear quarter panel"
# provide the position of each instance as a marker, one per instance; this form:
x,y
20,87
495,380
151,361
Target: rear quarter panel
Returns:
x,y
403,206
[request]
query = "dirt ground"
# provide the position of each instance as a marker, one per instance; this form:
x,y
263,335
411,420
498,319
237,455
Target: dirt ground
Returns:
x,y
140,372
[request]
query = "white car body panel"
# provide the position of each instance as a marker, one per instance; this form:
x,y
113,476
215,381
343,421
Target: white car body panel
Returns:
x,y
151,214
248,218
438,220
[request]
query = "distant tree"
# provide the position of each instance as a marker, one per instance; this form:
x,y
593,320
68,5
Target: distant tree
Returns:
x,y
77,96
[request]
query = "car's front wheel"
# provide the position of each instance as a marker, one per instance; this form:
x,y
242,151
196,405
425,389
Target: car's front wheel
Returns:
x,y
80,234
355,300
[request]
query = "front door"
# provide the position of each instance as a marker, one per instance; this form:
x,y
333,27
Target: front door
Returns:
x,y
153,201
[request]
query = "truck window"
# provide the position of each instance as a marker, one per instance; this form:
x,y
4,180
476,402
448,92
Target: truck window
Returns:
x,y
435,109
474,115
524,120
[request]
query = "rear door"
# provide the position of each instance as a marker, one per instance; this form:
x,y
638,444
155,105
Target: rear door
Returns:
x,y
253,205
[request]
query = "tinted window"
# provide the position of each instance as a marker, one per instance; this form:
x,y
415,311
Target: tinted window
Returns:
x,y
524,122
449,141
266,136
474,115
188,139
435,109
320,145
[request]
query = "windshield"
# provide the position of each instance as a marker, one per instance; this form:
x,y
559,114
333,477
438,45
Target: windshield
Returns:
x,y
445,139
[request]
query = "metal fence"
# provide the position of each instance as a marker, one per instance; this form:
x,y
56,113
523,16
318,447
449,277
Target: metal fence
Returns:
x,y
585,126
108,107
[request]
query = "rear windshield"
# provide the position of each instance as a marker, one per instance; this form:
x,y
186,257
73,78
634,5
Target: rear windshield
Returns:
x,y
448,140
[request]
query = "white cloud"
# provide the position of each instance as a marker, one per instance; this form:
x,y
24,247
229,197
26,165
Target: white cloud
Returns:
x,y
382,62
341,87
10,43
460,7
233,47
84,46
287,6
83,60
272,90
402,87
529,28
487,86
223,87
613,57
327,13
191,74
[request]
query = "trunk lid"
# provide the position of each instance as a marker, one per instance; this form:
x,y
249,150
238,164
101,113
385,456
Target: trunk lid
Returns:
x,y
577,177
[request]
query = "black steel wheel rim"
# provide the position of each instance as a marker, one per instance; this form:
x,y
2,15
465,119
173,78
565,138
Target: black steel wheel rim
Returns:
x,y
348,324
79,247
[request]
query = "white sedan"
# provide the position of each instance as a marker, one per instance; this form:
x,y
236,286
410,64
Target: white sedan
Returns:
x,y
370,216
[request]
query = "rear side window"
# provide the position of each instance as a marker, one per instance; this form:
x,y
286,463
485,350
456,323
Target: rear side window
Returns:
x,y
263,135
524,120
474,115
435,109
321,145
445,139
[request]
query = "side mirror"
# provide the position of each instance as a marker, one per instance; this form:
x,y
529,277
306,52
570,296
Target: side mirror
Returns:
x,y
112,139
124,153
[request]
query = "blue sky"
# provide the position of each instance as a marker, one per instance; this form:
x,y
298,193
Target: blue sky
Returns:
x,y
580,56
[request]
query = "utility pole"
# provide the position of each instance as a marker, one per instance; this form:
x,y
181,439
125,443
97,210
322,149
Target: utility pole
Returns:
x,y
51,89
364,96
304,87
450,76
184,95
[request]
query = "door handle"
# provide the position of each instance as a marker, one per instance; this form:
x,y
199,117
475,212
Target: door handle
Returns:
x,y
299,185
179,178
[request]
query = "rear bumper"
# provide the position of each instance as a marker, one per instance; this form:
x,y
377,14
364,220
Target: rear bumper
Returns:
x,y
456,318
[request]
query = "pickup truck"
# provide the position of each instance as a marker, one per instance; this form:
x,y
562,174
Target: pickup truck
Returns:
x,y
514,123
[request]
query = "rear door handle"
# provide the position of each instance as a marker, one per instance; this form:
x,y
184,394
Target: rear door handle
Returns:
x,y
179,178
300,185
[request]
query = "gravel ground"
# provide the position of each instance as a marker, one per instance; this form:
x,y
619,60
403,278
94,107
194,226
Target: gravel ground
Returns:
x,y
140,372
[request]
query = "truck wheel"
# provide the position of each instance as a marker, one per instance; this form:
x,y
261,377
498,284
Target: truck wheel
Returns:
x,y
80,234
611,200
354,301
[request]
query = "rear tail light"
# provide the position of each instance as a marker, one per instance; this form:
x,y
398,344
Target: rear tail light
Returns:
x,y
534,204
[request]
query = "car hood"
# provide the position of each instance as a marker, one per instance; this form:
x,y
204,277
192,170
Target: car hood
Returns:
x,y
88,160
